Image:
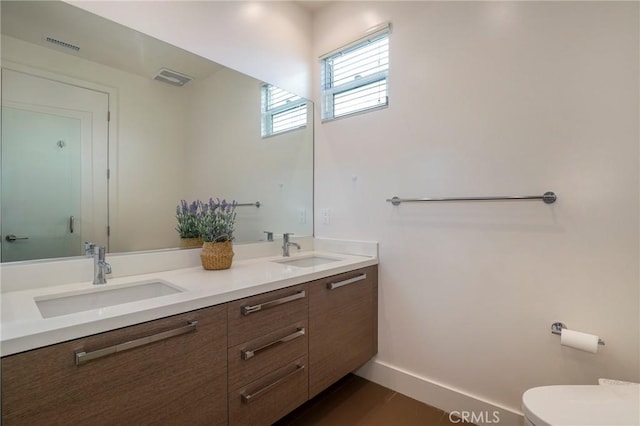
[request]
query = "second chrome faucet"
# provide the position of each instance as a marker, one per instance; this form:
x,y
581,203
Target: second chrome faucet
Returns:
x,y
100,266
286,244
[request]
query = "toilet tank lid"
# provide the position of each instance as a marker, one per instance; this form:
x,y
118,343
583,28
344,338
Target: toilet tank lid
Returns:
x,y
582,405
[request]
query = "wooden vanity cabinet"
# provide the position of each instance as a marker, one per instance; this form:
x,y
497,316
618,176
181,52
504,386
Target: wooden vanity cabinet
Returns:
x,y
179,379
343,327
247,362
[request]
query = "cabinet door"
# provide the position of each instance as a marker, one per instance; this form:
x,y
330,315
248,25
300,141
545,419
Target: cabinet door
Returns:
x,y
342,326
181,378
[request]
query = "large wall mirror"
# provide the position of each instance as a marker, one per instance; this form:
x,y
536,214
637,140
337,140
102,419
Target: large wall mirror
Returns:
x,y
94,147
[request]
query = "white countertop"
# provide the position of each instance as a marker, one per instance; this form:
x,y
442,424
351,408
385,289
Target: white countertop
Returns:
x,y
24,328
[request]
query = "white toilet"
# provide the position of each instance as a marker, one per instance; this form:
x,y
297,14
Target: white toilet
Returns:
x,y
571,405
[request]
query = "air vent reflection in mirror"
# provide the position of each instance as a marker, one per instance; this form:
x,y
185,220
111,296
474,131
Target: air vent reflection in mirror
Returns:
x,y
172,77
61,43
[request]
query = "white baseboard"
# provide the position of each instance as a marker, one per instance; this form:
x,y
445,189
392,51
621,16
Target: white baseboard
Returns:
x,y
477,410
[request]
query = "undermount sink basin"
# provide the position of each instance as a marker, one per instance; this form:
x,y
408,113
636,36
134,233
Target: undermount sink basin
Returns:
x,y
307,262
95,298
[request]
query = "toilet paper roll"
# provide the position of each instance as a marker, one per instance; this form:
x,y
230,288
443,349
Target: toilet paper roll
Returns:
x,y
578,340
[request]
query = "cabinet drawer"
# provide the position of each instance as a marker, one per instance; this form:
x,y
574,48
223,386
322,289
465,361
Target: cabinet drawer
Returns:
x,y
267,399
254,359
256,316
342,326
180,376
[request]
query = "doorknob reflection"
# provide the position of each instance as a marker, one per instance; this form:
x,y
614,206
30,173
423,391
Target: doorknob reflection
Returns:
x,y
11,238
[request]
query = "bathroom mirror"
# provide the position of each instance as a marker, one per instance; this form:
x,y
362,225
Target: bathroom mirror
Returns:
x,y
155,125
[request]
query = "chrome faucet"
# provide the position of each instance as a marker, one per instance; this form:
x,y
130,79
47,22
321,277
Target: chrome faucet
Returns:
x,y
88,248
286,244
100,267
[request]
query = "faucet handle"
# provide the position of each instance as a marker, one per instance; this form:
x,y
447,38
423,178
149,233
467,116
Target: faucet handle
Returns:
x,y
88,248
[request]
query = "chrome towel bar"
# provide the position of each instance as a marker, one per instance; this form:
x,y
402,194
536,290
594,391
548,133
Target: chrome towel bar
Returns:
x,y
257,204
547,197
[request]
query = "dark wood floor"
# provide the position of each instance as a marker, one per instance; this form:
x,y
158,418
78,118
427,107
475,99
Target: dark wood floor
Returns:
x,y
354,401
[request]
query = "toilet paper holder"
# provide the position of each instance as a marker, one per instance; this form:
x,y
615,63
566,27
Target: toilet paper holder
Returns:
x,y
556,328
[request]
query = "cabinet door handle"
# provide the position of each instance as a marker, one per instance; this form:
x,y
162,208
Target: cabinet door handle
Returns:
x,y
248,397
248,354
83,357
246,310
332,286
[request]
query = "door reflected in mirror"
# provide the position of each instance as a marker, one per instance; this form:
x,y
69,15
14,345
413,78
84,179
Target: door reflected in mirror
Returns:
x,y
114,175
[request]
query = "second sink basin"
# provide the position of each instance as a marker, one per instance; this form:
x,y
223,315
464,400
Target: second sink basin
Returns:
x,y
307,262
69,303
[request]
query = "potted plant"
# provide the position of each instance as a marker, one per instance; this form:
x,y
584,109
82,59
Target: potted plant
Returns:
x,y
188,216
216,226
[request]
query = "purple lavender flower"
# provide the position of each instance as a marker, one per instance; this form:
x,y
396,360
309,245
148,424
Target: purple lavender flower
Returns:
x,y
188,216
217,220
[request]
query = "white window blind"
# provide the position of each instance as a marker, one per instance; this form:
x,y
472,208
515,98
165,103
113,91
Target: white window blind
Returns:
x,y
281,111
354,78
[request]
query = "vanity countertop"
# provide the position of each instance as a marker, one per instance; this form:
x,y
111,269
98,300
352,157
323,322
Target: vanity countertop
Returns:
x,y
24,328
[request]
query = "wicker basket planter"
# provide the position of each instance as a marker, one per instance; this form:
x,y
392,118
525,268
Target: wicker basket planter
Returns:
x,y
216,256
190,242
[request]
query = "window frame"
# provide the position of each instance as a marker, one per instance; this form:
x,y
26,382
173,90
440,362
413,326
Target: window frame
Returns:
x,y
266,128
330,91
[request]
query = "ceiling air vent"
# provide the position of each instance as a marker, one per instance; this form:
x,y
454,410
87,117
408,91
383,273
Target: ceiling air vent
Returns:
x,y
172,77
61,43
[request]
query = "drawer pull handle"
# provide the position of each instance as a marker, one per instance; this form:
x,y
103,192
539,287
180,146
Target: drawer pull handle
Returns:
x,y
246,310
248,397
83,357
245,355
332,286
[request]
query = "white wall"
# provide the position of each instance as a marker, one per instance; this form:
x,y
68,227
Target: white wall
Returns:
x,y
148,162
224,151
488,99
268,40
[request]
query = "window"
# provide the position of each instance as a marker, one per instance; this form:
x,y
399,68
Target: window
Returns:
x,y
354,78
281,111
